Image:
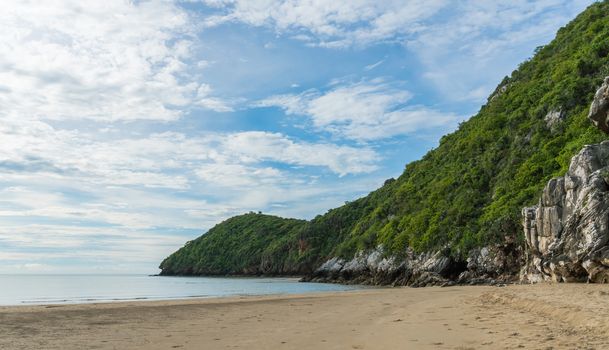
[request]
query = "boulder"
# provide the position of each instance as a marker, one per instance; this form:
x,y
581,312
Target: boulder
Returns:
x,y
330,268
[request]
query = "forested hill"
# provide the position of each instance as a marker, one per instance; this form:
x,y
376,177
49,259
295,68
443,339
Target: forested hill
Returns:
x,y
235,246
466,193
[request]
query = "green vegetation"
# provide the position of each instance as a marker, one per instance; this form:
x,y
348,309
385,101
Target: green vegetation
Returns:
x,y
466,193
238,245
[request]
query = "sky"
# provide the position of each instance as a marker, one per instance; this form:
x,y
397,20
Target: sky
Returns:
x,y
130,127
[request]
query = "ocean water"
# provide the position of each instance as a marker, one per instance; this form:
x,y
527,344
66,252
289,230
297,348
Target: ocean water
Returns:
x,y
73,289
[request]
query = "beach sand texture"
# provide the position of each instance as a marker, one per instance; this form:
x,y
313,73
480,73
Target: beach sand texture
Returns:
x,y
528,316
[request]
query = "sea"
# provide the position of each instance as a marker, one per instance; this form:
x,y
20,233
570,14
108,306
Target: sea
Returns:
x,y
76,289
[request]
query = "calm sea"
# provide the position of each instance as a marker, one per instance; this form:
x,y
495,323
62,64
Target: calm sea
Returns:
x,y
68,289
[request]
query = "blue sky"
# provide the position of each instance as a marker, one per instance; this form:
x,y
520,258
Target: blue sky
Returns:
x,y
129,128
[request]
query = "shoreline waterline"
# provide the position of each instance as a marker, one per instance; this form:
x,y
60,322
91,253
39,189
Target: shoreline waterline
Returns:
x,y
84,289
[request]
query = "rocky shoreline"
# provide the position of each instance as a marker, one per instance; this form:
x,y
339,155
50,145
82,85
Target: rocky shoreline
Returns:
x,y
489,265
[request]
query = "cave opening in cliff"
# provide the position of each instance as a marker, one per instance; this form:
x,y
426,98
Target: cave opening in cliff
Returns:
x,y
453,271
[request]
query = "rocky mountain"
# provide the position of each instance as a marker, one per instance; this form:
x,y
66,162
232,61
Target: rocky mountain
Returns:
x,y
455,216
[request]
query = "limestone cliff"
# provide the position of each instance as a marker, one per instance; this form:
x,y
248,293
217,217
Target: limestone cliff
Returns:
x,y
567,233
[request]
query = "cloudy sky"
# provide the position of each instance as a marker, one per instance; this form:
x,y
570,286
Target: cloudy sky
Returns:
x,y
130,127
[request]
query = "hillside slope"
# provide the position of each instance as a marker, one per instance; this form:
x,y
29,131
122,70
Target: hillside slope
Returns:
x,y
239,245
468,192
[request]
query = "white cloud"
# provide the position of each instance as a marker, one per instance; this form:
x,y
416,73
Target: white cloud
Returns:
x,y
368,110
153,160
263,146
38,247
332,23
374,65
366,22
111,60
233,175
205,100
492,36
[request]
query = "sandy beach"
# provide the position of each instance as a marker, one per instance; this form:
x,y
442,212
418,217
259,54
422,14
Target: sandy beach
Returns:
x,y
530,317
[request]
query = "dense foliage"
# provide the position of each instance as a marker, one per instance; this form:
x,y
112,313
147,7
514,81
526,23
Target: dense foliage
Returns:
x,y
470,190
235,246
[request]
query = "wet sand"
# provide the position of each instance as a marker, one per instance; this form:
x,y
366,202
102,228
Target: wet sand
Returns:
x,y
529,317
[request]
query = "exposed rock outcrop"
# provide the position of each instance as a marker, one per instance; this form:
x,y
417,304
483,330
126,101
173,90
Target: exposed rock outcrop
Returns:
x,y
493,263
553,119
501,89
599,110
368,268
567,233
488,265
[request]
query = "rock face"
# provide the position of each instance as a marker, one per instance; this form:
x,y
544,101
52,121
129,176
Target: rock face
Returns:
x,y
497,262
567,233
599,111
488,265
553,119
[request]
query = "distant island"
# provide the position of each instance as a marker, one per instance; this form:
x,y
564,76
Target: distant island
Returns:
x,y
465,212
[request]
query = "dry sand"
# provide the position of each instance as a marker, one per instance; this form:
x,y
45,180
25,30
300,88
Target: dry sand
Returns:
x,y
530,317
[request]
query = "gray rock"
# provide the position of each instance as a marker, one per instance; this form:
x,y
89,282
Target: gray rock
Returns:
x,y
567,233
434,262
355,266
554,118
500,91
437,268
375,258
428,279
599,110
370,267
487,261
334,265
